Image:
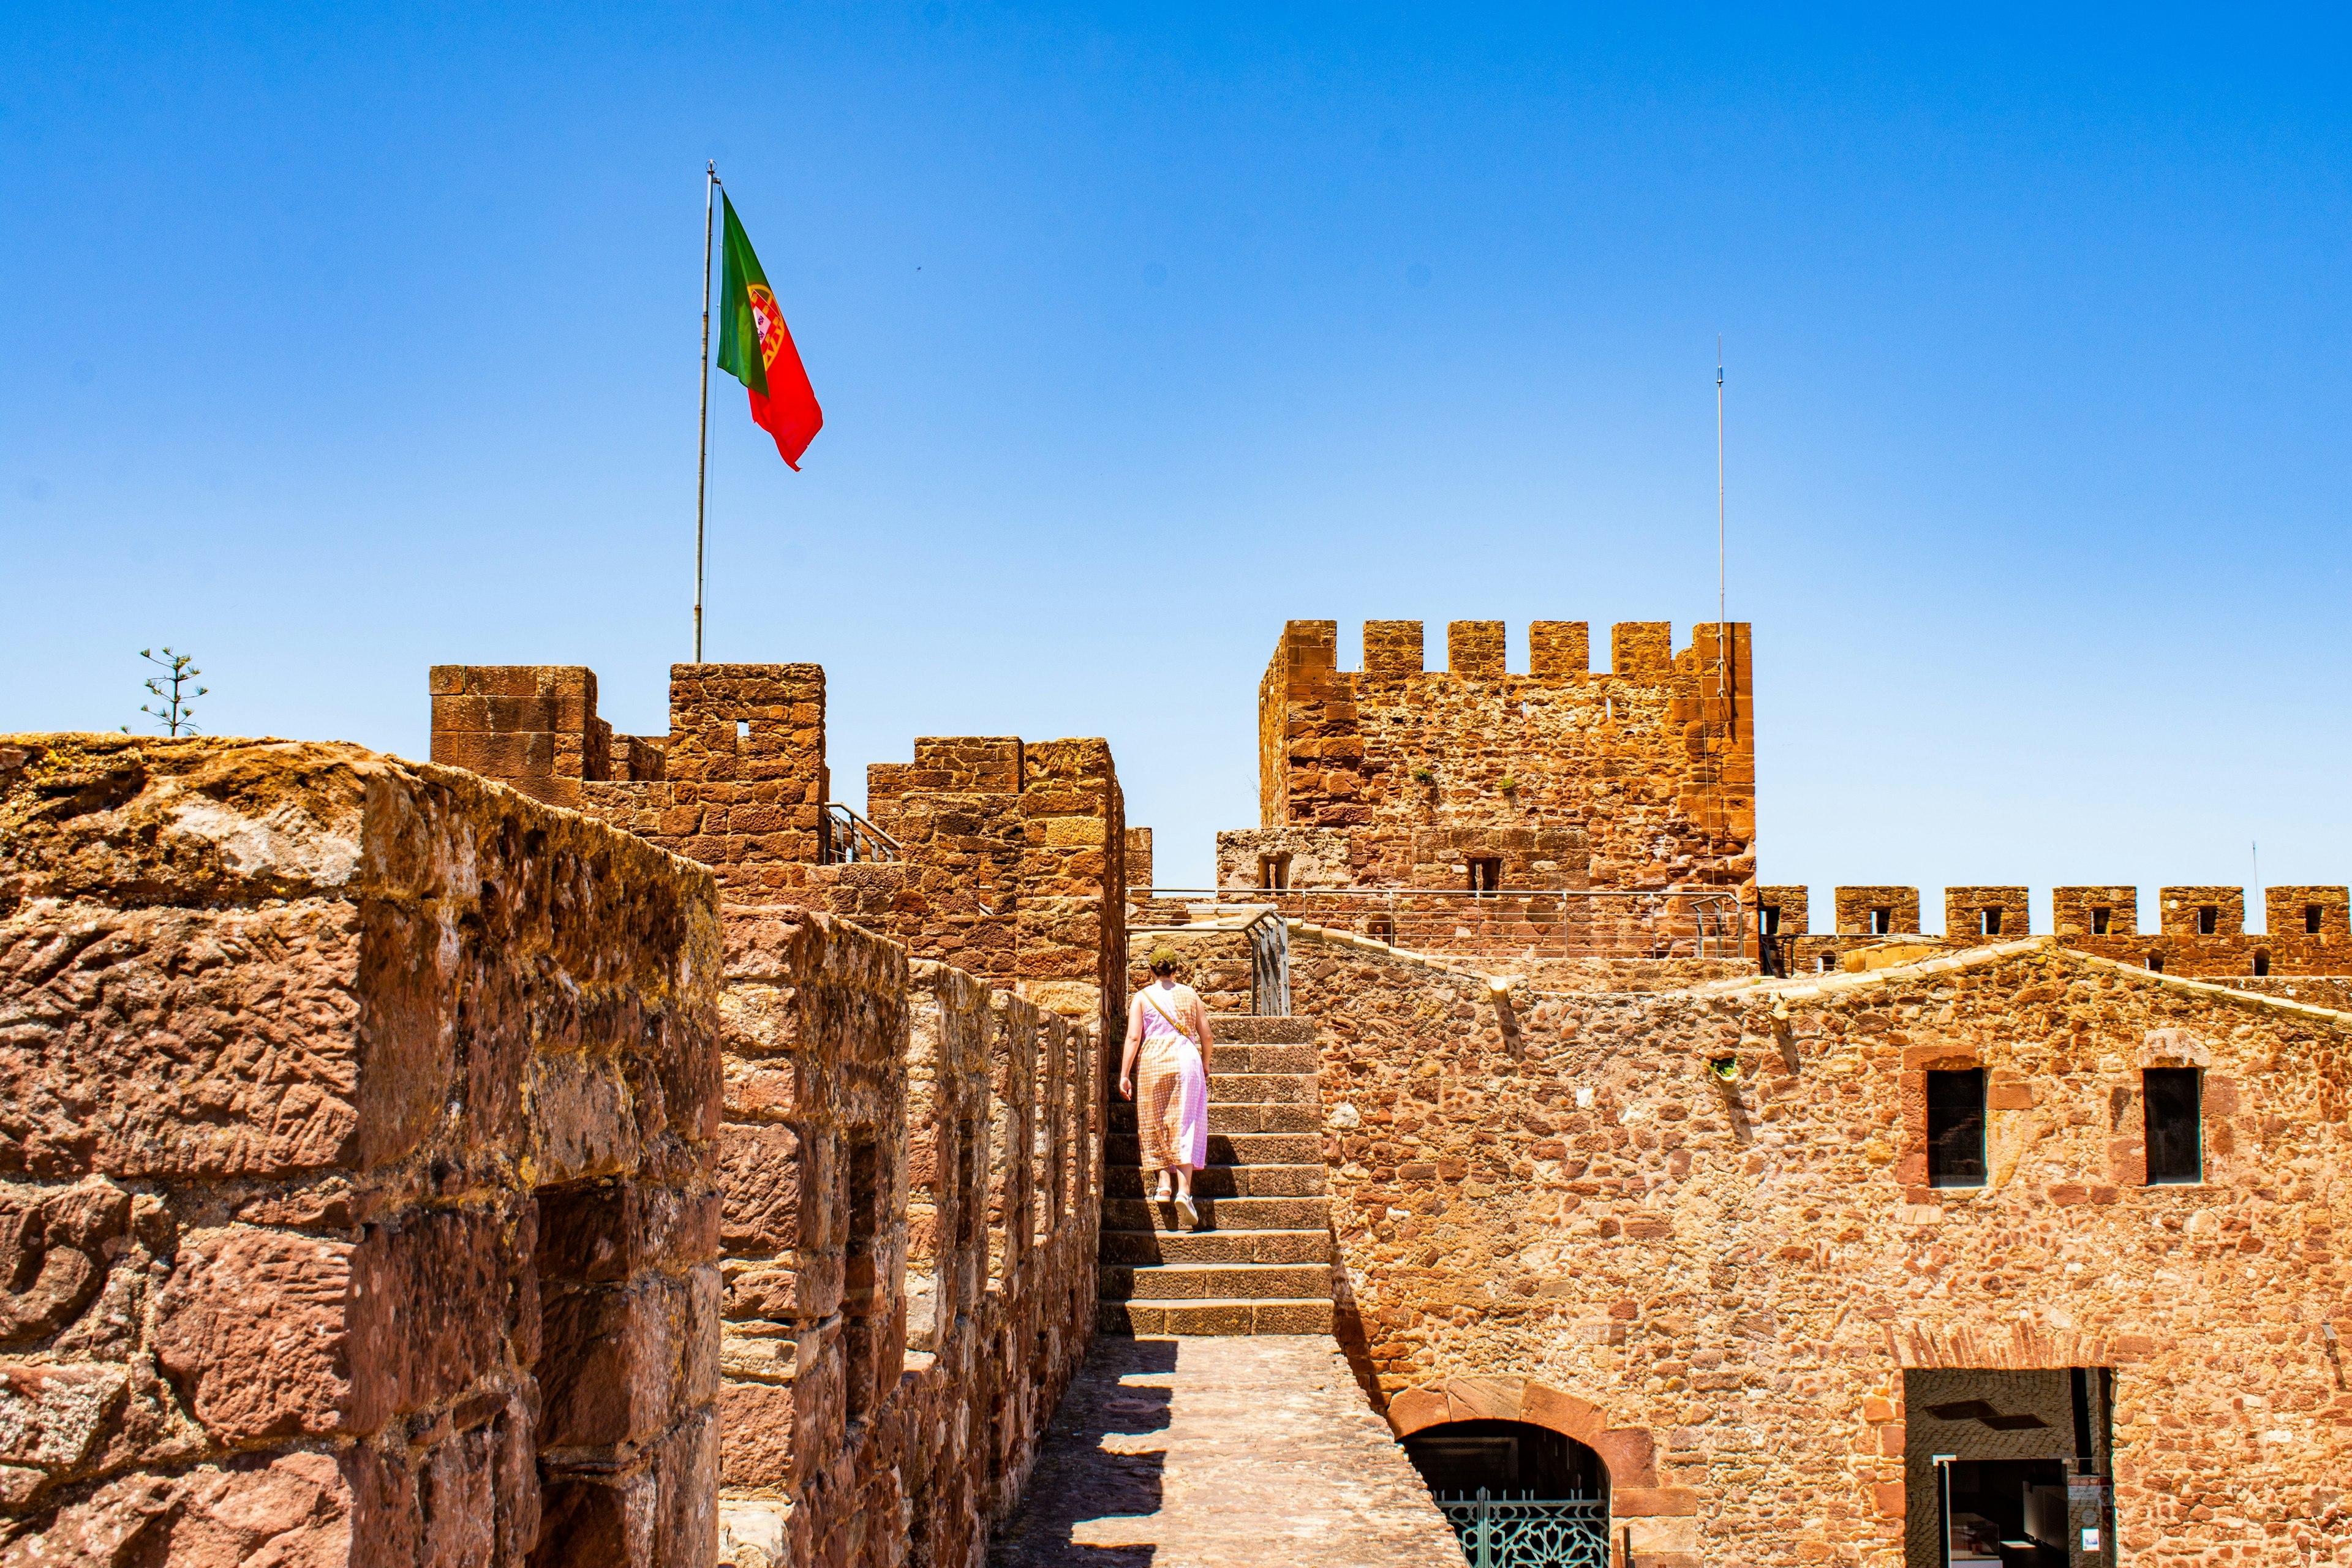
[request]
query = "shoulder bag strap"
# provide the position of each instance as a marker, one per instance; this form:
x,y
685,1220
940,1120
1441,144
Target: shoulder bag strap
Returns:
x,y
1173,1023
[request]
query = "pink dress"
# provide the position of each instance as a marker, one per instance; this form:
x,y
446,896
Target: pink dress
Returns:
x,y
1171,1091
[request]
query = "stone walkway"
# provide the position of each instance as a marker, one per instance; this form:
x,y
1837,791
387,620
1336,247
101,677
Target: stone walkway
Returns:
x,y
1221,1453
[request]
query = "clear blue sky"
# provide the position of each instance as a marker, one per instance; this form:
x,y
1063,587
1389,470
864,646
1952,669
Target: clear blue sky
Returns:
x,y
339,342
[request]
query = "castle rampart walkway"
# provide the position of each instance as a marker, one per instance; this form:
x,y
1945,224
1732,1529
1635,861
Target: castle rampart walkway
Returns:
x,y
1211,1452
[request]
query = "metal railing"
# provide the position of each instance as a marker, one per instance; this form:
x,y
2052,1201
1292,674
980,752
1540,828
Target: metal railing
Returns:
x,y
1533,923
850,839
1269,937
1529,1531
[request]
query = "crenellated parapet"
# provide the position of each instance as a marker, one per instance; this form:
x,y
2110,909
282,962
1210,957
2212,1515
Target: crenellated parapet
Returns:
x,y
2200,931
1650,763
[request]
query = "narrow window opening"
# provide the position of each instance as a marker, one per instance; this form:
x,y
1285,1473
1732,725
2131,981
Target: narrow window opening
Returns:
x,y
1882,920
1989,922
2101,918
2176,1146
2311,918
742,729
2156,964
1384,929
863,1293
2208,918
2261,961
1486,874
1768,920
1955,1111
1827,961
1274,871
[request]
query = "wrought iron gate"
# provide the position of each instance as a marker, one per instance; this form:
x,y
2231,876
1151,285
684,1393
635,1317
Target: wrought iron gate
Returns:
x,y
1530,1531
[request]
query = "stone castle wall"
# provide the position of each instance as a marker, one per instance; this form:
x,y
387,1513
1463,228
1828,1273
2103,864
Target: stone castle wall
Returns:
x,y
1549,1208
908,1244
1640,776
358,1131
2309,934
407,1171
1012,854
910,1151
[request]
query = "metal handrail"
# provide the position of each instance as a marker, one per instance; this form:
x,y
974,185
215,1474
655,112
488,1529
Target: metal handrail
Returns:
x,y
883,847
1269,939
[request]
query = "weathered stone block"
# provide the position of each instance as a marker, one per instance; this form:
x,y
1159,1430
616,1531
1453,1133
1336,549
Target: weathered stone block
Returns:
x,y
252,1324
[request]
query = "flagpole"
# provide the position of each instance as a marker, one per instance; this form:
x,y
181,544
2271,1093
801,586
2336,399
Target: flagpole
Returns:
x,y
702,436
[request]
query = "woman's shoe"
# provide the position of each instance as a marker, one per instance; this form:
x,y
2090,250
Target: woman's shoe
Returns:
x,y
1191,1215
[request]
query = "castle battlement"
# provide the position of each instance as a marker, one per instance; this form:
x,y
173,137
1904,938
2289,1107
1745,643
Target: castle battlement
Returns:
x,y
1478,650
2200,929
1641,775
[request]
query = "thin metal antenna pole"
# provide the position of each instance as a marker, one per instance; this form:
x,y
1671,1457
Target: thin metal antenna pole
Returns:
x,y
1722,824
1722,614
702,434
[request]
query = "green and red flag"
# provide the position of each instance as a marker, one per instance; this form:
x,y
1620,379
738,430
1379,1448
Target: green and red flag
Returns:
x,y
756,348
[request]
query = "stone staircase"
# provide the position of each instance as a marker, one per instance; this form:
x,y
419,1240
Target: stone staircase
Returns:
x,y
1261,1261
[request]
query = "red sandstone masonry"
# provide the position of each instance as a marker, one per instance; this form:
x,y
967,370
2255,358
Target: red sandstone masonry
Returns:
x,y
1549,1209
362,1114
910,1242
2289,948
1649,762
910,1158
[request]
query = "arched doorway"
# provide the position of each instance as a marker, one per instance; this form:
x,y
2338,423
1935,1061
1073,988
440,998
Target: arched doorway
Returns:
x,y
1517,1495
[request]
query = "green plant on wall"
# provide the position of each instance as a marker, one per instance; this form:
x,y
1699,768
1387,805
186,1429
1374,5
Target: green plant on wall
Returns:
x,y
1508,783
175,689
1424,775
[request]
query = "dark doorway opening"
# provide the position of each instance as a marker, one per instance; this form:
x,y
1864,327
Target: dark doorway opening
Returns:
x,y
2010,1511
2008,1467
1515,1493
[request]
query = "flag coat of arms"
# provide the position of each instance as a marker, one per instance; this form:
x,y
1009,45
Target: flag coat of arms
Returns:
x,y
756,348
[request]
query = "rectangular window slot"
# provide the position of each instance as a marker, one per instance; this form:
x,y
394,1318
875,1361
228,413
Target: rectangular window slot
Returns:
x,y
1882,922
1768,920
2311,918
2156,964
1486,874
1382,930
742,729
1988,922
2208,918
1955,1128
864,1292
2176,1144
2101,918
1274,871
1827,961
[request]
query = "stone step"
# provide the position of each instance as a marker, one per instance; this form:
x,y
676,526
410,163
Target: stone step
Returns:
x,y
1142,1249
1211,1281
1230,1118
1229,1058
1309,1315
1231,1148
1227,1181
1251,1028
1264,1089
1230,1215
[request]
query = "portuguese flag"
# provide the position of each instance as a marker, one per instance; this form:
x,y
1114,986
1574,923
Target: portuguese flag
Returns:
x,y
756,349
